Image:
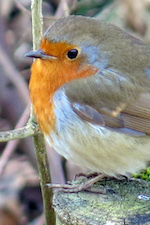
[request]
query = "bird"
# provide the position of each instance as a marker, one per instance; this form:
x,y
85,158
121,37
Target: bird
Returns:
x,y
90,90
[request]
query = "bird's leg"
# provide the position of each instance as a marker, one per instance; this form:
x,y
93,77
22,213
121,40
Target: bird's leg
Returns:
x,y
78,187
89,175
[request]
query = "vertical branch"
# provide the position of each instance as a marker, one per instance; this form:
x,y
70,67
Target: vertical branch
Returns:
x,y
37,22
44,177
42,160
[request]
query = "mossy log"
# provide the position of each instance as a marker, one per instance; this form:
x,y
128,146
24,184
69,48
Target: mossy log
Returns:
x,y
126,202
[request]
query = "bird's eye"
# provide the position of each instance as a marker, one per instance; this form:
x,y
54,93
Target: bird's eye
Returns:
x,y
72,54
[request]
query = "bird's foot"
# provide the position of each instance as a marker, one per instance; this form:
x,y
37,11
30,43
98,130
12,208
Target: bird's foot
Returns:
x,y
71,188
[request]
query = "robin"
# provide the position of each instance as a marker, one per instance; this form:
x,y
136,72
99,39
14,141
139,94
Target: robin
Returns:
x,y
90,90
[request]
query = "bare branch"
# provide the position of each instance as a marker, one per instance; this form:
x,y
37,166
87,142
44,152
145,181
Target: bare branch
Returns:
x,y
39,143
17,134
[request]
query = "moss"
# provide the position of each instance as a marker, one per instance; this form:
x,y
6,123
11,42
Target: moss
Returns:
x,y
144,174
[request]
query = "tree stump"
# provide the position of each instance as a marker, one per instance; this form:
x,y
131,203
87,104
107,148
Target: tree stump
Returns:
x,y
125,203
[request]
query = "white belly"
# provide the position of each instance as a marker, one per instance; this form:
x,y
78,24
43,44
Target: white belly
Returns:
x,y
93,147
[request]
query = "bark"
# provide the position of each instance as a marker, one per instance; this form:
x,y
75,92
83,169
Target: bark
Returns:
x,y
125,202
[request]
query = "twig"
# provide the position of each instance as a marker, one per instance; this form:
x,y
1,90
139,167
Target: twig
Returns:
x,y
20,133
37,22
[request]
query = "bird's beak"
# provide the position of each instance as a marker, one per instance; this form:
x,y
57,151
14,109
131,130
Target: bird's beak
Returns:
x,y
39,54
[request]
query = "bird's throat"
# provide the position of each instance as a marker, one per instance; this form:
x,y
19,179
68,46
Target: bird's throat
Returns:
x,y
41,94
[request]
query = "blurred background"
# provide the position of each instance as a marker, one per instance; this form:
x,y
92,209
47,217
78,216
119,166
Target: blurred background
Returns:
x,y
20,197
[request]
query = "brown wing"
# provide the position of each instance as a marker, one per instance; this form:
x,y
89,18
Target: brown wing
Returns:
x,y
137,115
133,120
88,113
